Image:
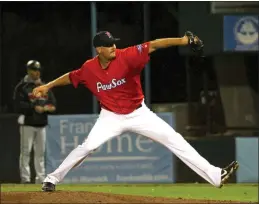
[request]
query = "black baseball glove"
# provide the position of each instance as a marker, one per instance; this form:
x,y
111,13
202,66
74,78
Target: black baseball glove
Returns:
x,y
194,42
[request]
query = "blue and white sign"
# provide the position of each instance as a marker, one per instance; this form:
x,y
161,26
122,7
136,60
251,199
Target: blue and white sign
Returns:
x,y
241,33
129,158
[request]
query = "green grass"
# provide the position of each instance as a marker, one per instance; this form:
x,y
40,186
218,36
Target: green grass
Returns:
x,y
237,192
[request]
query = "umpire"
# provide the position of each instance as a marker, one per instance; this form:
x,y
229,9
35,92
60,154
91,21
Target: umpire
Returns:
x,y
32,120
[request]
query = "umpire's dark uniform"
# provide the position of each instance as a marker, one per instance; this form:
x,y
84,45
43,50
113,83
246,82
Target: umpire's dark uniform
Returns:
x,y
33,119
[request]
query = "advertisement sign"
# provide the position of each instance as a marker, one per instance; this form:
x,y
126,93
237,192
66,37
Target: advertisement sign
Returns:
x,y
126,158
240,33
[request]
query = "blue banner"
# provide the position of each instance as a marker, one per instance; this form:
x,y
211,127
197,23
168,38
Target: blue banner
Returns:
x,y
241,33
129,158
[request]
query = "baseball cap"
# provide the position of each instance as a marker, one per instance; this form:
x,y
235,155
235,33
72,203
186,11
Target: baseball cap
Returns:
x,y
34,65
104,39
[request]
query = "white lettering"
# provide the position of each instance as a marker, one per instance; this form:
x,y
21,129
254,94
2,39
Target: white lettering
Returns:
x,y
79,128
143,177
99,86
65,144
75,127
119,146
109,146
71,126
94,179
141,140
62,125
114,83
119,83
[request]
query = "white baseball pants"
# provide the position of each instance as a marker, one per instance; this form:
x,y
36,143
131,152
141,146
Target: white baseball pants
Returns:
x,y
144,122
36,137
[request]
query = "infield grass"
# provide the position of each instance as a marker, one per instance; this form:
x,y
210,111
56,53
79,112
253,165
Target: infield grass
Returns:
x,y
237,192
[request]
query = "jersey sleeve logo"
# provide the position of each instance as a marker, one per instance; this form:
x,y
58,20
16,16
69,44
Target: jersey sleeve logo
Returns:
x,y
108,34
139,48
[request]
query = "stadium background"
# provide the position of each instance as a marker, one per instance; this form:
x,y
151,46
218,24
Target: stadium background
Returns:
x,y
58,34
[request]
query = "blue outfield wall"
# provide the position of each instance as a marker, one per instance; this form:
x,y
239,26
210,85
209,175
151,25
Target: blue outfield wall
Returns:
x,y
124,159
247,156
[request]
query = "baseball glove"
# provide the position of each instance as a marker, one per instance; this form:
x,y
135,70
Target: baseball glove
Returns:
x,y
194,42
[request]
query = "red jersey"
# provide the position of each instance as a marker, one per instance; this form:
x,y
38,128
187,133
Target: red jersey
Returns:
x,y
117,88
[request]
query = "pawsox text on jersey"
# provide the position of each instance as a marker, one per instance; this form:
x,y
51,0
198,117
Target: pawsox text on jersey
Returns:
x,y
114,83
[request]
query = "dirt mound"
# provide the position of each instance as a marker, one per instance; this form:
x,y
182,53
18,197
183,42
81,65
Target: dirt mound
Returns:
x,y
89,197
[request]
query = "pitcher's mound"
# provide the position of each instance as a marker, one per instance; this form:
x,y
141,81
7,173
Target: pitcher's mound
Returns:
x,y
89,197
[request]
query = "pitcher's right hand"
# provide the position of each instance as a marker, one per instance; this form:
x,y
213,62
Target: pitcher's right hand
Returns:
x,y
40,91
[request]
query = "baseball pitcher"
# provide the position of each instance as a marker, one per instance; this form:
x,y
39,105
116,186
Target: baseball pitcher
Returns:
x,y
32,120
113,76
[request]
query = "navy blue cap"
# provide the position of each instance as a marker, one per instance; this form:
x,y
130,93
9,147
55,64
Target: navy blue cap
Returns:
x,y
104,39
